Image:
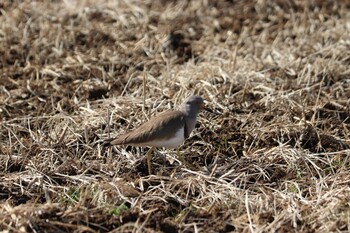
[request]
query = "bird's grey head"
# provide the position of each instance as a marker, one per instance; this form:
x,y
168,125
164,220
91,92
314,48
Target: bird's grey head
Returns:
x,y
190,108
192,105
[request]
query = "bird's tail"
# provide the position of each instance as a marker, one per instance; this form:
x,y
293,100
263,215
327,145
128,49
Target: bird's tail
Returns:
x,y
107,142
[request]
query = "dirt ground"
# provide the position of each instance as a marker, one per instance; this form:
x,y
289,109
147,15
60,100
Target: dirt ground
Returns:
x,y
269,154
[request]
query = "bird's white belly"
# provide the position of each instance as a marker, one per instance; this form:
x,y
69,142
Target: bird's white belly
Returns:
x,y
173,142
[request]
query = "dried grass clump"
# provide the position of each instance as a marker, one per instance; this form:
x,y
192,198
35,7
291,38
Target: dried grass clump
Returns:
x,y
270,154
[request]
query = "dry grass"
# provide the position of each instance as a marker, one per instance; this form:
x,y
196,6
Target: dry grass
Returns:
x,y
272,151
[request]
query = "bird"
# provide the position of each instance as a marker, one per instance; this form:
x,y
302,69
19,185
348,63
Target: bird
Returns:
x,y
168,129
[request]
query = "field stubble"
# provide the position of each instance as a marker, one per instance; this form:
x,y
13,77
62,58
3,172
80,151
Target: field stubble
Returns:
x,y
271,151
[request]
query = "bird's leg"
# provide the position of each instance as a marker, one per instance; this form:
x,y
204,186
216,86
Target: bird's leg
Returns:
x,y
149,158
180,156
183,161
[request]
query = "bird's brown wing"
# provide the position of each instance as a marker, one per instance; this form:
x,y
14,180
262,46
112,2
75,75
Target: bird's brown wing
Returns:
x,y
160,127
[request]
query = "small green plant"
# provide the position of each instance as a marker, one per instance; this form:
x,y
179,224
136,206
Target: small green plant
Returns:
x,y
299,174
117,211
293,188
73,196
225,142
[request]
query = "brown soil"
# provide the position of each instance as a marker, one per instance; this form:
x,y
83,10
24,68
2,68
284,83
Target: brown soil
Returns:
x,y
270,153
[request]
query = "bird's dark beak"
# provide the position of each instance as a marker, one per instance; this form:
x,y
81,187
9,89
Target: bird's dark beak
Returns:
x,y
202,106
207,109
